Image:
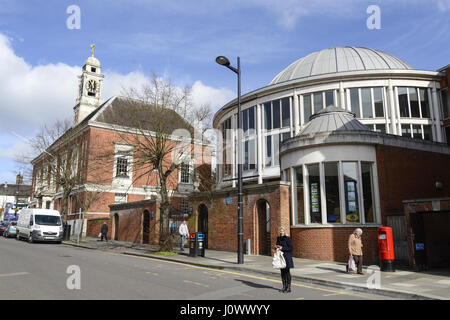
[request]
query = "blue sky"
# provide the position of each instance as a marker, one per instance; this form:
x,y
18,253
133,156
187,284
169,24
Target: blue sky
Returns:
x,y
40,57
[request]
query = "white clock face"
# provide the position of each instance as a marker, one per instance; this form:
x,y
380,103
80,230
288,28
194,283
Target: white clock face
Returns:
x,y
91,86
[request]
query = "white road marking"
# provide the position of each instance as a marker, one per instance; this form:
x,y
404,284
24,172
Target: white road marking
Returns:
x,y
4,275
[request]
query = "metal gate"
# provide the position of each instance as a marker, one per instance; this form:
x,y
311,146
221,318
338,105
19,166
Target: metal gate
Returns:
x,y
397,223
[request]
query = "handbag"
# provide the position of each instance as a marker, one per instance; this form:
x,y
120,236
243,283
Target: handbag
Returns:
x,y
278,261
351,264
100,235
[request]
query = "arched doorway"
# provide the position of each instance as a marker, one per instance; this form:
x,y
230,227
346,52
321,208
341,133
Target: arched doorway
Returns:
x,y
263,225
203,222
116,227
146,227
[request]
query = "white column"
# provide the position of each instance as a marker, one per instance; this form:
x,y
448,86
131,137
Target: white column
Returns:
x,y
341,95
294,206
342,193
306,195
259,139
296,114
437,114
233,149
323,201
390,93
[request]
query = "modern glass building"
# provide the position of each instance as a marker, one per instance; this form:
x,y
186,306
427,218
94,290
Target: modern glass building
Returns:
x,y
385,93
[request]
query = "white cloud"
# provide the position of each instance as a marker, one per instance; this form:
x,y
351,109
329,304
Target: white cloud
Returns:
x,y
205,95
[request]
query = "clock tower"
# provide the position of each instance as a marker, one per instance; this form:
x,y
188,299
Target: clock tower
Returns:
x,y
89,90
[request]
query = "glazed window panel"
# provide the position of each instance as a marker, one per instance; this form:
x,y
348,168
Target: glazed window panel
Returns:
x,y
350,172
314,193
307,107
268,161
252,154
245,120
251,118
445,103
268,116
417,131
286,112
380,128
329,98
406,130
424,103
427,135
332,192
318,101
414,102
300,195
366,101
378,102
403,102
354,102
276,114
366,172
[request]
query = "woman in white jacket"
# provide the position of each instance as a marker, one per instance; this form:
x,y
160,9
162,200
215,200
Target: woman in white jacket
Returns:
x,y
184,233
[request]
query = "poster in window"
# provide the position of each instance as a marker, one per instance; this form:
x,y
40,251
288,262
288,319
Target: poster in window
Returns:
x,y
315,197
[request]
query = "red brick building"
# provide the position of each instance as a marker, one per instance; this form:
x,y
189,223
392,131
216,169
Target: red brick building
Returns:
x,y
100,151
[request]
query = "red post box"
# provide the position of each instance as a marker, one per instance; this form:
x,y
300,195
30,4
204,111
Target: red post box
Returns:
x,y
386,249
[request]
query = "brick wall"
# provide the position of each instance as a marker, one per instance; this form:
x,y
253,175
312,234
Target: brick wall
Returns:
x,y
94,226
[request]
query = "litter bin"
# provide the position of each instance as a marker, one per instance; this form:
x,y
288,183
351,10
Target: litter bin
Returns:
x,y
193,244
200,244
386,249
66,235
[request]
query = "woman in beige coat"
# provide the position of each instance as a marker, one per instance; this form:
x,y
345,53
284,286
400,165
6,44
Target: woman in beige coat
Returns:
x,y
355,249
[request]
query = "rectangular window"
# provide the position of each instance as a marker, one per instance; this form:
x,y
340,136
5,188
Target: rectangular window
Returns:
x,y
251,118
276,114
300,196
251,154
244,120
427,135
332,192
286,112
184,207
445,103
276,149
329,98
417,131
306,107
354,102
424,103
268,116
403,102
285,136
366,171
406,130
366,100
314,193
184,173
378,102
414,102
268,162
122,167
350,172
318,102
380,128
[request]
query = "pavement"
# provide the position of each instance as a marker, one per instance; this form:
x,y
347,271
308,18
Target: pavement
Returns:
x,y
404,283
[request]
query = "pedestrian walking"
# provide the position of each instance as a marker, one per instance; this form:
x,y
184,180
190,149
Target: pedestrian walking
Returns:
x,y
184,233
355,249
284,243
104,231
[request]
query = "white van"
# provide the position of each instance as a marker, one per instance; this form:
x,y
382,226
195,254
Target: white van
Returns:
x,y
40,225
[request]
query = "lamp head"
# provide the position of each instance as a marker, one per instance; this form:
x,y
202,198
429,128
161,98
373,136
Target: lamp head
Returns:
x,y
223,61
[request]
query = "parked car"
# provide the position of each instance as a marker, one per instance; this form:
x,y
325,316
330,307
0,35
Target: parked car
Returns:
x,y
11,230
40,225
3,226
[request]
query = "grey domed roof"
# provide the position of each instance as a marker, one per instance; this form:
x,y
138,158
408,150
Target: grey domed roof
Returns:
x,y
340,59
332,119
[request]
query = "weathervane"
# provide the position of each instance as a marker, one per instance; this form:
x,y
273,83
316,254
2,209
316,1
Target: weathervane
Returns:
x,y
92,49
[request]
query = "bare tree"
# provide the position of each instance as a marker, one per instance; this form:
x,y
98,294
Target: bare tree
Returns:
x,y
154,116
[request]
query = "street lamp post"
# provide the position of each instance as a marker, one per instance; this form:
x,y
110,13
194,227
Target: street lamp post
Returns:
x,y
225,62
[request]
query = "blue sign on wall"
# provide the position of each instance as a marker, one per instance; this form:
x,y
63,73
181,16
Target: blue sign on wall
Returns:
x,y
420,246
229,201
